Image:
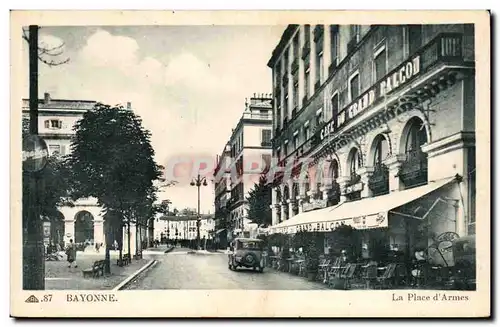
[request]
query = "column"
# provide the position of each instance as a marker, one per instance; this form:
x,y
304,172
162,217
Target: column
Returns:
x,y
69,230
291,200
301,197
394,163
99,231
342,180
365,174
283,211
274,207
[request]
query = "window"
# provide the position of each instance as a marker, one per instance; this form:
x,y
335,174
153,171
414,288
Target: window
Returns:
x,y
307,132
319,56
354,162
334,44
295,92
285,60
54,150
319,118
335,104
306,84
296,47
354,86
285,148
379,64
354,32
416,138
414,38
285,105
320,68
295,140
307,33
277,82
53,124
266,136
381,151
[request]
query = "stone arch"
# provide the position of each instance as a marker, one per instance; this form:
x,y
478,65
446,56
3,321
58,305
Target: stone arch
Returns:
x,y
354,154
416,118
84,227
373,148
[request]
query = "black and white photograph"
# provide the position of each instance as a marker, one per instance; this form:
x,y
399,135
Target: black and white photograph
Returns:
x,y
323,156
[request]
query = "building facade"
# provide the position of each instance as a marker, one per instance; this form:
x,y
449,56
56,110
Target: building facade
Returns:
x,y
222,195
239,167
83,222
183,227
374,127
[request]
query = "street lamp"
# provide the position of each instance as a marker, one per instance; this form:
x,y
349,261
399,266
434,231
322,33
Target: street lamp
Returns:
x,y
198,182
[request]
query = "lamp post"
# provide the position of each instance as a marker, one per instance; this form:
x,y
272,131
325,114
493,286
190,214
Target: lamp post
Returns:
x,y
198,182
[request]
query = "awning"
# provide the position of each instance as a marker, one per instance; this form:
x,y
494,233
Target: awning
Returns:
x,y
363,214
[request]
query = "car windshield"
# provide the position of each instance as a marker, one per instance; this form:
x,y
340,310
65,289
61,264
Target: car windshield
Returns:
x,y
250,245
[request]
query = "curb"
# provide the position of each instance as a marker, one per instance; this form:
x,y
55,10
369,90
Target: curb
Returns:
x,y
130,278
169,250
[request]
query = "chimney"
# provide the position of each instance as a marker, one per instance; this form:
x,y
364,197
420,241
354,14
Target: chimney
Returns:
x,y
46,98
129,106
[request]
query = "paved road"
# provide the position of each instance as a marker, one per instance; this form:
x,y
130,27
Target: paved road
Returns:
x,y
180,270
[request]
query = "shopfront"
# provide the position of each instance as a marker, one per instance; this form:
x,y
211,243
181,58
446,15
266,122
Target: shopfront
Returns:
x,y
399,223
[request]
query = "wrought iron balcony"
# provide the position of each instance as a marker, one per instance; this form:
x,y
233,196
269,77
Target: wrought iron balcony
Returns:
x,y
353,179
413,170
317,85
379,180
266,143
294,111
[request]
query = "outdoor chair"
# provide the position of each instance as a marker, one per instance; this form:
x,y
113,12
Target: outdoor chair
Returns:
x,y
323,270
370,275
388,276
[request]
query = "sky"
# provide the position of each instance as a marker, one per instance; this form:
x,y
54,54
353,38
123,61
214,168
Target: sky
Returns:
x,y
187,83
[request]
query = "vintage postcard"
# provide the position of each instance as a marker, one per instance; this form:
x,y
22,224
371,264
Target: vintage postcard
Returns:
x,y
250,164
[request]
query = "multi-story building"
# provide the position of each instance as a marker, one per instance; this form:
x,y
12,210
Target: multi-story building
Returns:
x,y
222,188
374,127
183,227
82,222
237,171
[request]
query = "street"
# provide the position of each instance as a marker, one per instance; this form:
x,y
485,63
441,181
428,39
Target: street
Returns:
x,y
180,270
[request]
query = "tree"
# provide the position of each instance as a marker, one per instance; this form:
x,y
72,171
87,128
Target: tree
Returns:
x,y
112,161
259,199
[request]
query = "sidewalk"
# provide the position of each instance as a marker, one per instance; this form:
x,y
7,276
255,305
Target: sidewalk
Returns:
x,y
58,276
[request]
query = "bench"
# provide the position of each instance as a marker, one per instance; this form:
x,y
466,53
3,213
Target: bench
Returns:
x,y
126,259
96,270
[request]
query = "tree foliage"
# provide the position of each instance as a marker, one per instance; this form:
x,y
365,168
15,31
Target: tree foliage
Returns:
x,y
259,200
112,159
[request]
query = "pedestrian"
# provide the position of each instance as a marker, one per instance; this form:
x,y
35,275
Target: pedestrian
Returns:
x,y
97,246
71,253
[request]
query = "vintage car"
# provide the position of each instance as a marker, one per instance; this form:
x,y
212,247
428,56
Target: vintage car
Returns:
x,y
246,252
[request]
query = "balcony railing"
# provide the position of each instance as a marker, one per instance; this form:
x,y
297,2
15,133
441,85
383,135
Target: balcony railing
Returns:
x,y
266,143
294,111
379,180
413,170
317,85
352,44
446,46
295,65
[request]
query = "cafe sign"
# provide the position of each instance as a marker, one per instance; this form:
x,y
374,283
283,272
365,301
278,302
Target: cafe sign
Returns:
x,y
377,220
398,78
353,188
313,205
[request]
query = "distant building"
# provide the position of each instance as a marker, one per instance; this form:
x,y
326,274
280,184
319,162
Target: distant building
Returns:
x,y
183,227
248,146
